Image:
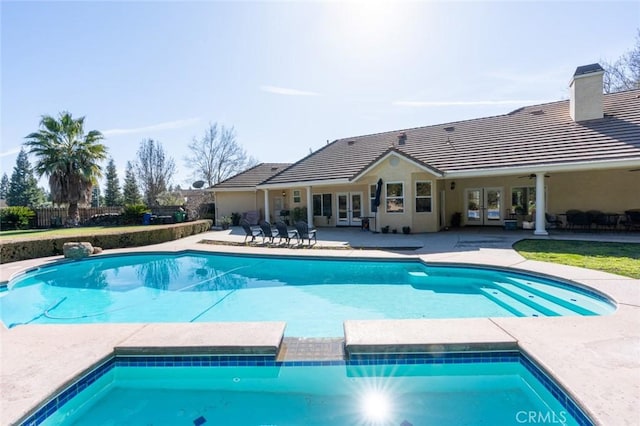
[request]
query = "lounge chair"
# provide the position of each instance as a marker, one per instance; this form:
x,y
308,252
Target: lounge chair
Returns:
x,y
285,233
250,231
305,232
267,231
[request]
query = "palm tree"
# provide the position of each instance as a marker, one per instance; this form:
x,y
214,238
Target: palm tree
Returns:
x,y
69,158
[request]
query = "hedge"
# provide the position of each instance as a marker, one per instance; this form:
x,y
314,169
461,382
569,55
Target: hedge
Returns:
x,y
13,251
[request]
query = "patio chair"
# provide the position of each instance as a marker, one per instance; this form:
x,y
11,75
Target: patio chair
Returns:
x,y
631,220
305,232
553,222
596,217
267,231
577,218
250,231
285,233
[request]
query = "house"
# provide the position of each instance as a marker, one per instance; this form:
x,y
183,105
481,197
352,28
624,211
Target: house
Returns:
x,y
582,153
240,193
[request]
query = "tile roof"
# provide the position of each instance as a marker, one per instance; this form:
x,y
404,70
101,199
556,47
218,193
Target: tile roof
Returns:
x,y
530,136
253,176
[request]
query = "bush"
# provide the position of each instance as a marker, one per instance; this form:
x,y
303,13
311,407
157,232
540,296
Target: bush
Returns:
x,y
299,213
235,218
30,248
104,219
16,217
132,213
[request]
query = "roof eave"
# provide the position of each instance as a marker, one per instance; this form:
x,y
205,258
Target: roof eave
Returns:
x,y
235,189
320,182
545,168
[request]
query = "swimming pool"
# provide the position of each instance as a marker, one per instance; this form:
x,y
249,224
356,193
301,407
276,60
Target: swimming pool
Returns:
x,y
313,296
453,388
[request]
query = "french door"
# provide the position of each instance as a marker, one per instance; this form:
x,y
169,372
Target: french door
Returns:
x,y
484,206
349,209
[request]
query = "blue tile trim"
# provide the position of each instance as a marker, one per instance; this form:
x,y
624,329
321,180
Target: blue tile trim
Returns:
x,y
59,400
268,361
558,393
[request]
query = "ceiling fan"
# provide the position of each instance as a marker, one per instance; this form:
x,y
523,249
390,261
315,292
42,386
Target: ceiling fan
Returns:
x,y
530,176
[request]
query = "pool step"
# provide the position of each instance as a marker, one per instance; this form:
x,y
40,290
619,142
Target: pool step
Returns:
x,y
514,306
544,305
582,304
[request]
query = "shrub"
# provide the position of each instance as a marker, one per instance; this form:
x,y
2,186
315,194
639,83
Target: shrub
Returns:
x,y
132,213
16,217
235,218
299,213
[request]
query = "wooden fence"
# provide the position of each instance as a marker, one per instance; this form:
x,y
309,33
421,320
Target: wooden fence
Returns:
x,y
57,216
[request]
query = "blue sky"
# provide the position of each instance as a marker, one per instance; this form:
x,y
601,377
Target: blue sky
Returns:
x,y
288,75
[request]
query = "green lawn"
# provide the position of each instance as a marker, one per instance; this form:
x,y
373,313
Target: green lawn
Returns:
x,y
64,232
616,258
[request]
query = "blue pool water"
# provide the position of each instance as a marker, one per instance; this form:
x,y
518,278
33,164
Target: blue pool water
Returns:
x,y
313,296
501,388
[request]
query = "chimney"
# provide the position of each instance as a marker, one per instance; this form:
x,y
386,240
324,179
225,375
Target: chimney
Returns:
x,y
586,93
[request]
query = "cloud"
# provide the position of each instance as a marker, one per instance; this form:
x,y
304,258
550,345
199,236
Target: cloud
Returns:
x,y
12,151
167,125
420,104
287,92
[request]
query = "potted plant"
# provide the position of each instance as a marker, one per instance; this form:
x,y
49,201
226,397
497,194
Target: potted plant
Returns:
x,y
225,222
385,229
235,219
406,229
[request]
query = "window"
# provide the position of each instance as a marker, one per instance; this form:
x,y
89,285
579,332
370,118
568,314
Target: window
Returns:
x,y
523,200
395,197
423,197
296,196
322,205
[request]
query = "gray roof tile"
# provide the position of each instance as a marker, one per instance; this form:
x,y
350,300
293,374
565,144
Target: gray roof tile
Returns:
x,y
530,136
253,176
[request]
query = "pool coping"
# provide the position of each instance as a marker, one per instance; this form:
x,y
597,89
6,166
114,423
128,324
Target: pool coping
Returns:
x,y
595,359
361,360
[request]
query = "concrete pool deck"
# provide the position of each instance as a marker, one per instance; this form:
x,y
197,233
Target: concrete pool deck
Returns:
x,y
595,359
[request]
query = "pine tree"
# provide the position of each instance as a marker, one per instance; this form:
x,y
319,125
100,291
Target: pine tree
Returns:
x,y
112,194
95,196
23,187
131,193
4,186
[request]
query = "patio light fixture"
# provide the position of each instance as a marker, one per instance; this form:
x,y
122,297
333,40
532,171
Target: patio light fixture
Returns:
x,y
453,186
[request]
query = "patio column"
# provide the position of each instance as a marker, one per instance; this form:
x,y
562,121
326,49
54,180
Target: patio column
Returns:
x,y
266,206
540,206
309,208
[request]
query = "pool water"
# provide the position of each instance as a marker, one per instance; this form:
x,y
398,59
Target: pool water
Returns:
x,y
498,389
313,296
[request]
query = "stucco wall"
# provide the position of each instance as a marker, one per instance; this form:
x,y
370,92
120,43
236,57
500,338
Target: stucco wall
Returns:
x,y
609,191
397,169
606,190
238,202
